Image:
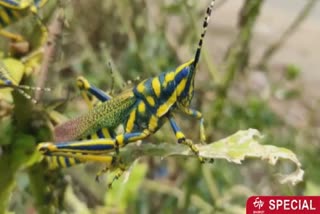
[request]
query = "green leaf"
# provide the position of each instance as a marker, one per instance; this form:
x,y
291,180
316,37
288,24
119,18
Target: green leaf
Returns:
x,y
235,149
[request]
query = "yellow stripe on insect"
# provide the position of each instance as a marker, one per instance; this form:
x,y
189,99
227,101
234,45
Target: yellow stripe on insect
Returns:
x,y
150,100
62,162
120,139
52,162
94,136
99,158
141,87
169,77
181,86
94,158
156,86
184,65
199,115
131,120
4,16
55,163
141,107
165,106
191,90
179,135
106,133
153,123
85,143
23,4
49,146
83,83
72,161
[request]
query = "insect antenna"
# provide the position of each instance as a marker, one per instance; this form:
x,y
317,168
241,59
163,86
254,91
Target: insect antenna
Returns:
x,y
10,82
205,25
21,89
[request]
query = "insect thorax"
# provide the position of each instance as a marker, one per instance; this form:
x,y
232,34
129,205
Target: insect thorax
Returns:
x,y
159,95
185,90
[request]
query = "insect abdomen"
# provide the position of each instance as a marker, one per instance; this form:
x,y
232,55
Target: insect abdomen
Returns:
x,y
107,115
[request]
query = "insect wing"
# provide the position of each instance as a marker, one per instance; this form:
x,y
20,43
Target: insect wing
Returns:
x,y
106,115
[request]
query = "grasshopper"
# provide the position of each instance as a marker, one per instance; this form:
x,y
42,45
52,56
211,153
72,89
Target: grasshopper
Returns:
x,y
13,10
57,160
12,71
142,111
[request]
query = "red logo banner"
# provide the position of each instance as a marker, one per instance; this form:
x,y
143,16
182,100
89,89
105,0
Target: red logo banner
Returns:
x,y
283,205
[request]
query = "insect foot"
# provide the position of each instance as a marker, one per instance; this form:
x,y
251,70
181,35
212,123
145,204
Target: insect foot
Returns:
x,y
193,148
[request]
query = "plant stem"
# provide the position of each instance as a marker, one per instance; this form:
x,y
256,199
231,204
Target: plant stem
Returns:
x,y
237,56
55,30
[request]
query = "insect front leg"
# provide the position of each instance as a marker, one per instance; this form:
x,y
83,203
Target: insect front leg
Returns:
x,y
85,88
195,114
182,139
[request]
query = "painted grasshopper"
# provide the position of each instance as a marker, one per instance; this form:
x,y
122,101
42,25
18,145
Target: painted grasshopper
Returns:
x,y
12,10
142,111
12,71
64,160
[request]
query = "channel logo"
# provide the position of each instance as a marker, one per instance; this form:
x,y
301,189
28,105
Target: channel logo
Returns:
x,y
283,205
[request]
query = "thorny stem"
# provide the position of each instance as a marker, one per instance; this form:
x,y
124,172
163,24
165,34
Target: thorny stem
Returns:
x,y
47,198
273,48
55,30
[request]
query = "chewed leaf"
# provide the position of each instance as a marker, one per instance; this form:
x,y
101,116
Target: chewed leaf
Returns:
x,y
245,144
235,148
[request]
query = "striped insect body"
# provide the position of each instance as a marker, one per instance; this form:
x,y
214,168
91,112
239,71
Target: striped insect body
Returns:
x,y
95,119
12,11
142,111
